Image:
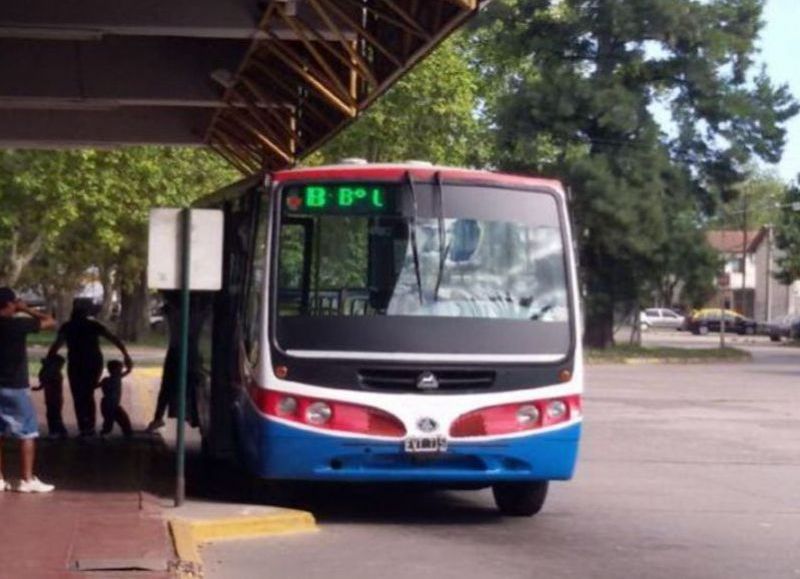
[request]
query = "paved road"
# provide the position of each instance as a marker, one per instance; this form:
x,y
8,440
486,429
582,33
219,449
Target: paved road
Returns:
x,y
686,471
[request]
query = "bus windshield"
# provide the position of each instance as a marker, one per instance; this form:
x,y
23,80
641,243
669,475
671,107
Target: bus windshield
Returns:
x,y
443,256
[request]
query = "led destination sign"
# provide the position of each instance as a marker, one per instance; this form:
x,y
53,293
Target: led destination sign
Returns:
x,y
339,198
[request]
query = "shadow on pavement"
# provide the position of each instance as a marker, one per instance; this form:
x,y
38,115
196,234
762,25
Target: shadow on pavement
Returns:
x,y
104,517
146,463
101,465
337,502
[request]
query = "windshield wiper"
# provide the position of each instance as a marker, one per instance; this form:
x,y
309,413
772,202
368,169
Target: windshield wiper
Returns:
x,y
542,311
443,251
414,247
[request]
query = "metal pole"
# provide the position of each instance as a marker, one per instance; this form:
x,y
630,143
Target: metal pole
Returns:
x,y
769,274
183,367
743,303
722,319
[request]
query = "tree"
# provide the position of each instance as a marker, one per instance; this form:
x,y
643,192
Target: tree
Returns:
x,y
38,199
100,216
754,202
787,236
579,106
685,265
430,114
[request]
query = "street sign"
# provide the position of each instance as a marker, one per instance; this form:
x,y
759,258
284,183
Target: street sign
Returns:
x,y
164,249
184,253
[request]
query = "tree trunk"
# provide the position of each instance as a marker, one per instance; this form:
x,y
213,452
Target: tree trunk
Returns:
x,y
59,300
373,150
599,332
600,299
63,305
108,293
19,258
134,316
636,328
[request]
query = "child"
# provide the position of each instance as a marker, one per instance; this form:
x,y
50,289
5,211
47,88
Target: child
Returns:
x,y
110,407
51,381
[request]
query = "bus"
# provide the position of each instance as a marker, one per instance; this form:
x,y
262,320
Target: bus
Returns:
x,y
396,323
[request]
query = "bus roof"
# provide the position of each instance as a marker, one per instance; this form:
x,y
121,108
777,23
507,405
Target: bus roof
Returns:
x,y
419,171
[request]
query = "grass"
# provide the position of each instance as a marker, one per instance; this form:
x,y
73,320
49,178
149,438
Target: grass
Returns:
x,y
628,353
34,365
152,339
42,338
143,360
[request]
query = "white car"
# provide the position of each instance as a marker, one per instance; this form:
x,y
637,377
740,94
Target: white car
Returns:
x,y
660,318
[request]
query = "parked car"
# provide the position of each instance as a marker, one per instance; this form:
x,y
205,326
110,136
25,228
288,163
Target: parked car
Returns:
x,y
787,327
660,318
710,320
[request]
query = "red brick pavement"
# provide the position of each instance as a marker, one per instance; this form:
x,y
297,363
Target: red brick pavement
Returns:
x,y
103,520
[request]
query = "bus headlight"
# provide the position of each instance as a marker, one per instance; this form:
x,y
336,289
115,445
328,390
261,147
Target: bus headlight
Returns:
x,y
318,413
516,417
527,415
287,406
556,410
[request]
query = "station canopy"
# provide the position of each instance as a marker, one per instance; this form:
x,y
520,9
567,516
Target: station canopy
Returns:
x,y
262,82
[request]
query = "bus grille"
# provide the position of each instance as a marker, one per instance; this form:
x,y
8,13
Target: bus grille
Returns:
x,y
405,380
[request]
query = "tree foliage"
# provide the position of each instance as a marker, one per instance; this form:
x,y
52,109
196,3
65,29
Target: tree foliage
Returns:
x,y
580,105
787,236
756,202
651,111
90,209
40,194
430,114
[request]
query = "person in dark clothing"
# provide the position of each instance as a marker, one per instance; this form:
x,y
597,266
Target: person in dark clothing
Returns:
x,y
167,403
51,380
17,414
110,405
82,336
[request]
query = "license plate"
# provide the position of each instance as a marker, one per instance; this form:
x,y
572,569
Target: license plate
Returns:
x,y
426,444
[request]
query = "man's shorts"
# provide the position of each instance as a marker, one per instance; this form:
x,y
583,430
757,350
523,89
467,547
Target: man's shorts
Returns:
x,y
17,414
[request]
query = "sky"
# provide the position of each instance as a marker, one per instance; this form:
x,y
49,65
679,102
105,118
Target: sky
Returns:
x,y
780,51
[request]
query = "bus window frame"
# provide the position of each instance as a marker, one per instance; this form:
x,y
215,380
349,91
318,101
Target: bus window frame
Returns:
x,y
570,260
307,225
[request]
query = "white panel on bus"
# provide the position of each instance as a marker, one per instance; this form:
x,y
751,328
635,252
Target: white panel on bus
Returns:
x,y
164,251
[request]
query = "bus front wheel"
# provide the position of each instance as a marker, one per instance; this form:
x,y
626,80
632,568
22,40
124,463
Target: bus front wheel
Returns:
x,y
520,499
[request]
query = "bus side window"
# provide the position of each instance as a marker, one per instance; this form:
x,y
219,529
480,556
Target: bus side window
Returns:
x,y
294,271
254,296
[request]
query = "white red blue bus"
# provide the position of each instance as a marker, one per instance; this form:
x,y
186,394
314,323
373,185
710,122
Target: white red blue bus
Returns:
x,y
398,322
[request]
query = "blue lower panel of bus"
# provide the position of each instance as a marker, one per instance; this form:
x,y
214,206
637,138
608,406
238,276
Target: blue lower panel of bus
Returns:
x,y
275,451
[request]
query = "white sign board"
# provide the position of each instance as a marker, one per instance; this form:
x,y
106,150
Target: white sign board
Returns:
x,y
164,249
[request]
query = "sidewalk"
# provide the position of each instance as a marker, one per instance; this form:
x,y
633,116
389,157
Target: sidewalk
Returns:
x,y
105,517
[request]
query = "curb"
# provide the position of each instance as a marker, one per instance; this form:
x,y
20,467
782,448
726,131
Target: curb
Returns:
x,y
148,372
634,361
189,534
663,361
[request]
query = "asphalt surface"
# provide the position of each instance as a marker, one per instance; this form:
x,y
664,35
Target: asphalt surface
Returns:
x,y
689,471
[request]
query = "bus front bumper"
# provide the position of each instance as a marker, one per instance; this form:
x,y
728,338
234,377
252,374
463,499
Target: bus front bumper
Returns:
x,y
276,451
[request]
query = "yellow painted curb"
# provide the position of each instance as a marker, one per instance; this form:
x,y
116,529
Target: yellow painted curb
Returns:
x,y
188,534
148,372
286,521
186,547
